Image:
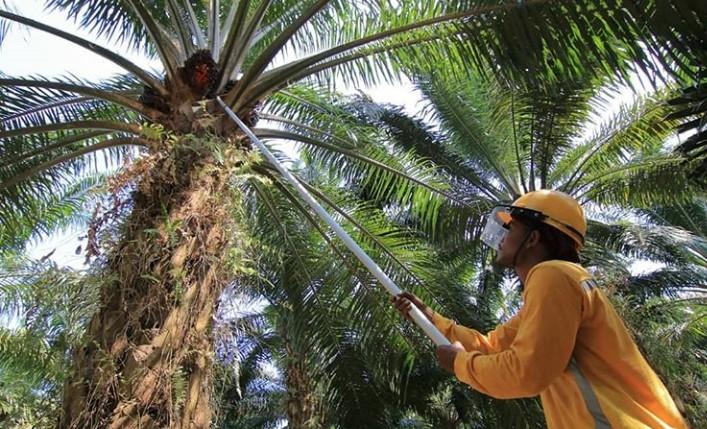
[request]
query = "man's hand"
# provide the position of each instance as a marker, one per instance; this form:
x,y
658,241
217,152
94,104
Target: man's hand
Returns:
x,y
446,355
404,302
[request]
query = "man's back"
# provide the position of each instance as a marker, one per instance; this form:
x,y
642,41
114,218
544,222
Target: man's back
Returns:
x,y
607,368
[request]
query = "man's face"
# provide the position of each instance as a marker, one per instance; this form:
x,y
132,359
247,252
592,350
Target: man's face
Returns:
x,y
511,243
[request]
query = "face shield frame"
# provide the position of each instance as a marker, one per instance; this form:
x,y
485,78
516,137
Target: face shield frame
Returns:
x,y
496,227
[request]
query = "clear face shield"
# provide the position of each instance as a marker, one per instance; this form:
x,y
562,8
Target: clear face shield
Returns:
x,y
494,232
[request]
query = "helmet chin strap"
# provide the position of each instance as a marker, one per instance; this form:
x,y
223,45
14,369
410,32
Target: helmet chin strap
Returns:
x,y
520,246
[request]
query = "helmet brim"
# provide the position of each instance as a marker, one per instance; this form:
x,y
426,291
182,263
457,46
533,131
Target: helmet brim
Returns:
x,y
504,216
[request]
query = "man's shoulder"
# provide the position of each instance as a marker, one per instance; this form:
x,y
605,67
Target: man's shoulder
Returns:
x,y
572,270
561,279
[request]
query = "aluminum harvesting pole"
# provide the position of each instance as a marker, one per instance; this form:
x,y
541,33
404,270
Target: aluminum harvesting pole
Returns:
x,y
417,316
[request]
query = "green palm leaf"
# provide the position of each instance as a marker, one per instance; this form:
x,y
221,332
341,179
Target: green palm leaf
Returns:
x,y
50,308
181,245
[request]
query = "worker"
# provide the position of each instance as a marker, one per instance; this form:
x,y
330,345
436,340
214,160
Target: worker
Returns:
x,y
567,343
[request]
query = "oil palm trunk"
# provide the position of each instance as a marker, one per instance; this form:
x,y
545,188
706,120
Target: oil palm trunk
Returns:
x,y
149,359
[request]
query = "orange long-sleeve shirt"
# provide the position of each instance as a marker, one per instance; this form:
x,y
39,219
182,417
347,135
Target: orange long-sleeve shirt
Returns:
x,y
564,316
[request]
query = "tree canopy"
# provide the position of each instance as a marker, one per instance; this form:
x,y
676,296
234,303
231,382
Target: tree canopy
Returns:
x,y
184,219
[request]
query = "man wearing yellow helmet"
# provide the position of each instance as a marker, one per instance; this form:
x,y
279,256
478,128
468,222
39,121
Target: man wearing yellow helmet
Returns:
x,y
567,343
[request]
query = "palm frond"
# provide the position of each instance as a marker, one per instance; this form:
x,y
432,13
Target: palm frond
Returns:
x,y
645,181
690,216
213,11
51,307
23,172
239,40
192,21
637,129
102,17
40,217
689,107
120,61
465,128
26,106
386,190
550,28
665,244
668,283
94,92
671,334
71,126
342,142
264,59
181,24
5,25
414,135
51,181
169,52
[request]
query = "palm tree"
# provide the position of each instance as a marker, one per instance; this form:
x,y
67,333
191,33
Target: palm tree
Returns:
x,y
166,231
496,143
45,309
338,346
666,308
633,139
169,262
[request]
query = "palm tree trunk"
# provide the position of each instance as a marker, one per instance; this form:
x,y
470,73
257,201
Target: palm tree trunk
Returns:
x,y
148,359
301,400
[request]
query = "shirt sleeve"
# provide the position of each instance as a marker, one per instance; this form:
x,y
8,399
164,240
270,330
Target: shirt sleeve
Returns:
x,y
495,341
542,347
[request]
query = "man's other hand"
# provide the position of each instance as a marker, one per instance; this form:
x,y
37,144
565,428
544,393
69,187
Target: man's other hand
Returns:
x,y
446,355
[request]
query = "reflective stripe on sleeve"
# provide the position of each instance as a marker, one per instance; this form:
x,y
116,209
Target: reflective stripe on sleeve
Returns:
x,y
590,399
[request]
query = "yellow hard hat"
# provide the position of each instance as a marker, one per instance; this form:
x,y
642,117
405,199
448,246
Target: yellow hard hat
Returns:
x,y
554,208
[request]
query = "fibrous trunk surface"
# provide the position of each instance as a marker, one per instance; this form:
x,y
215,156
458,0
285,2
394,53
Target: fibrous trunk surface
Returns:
x,y
301,404
147,363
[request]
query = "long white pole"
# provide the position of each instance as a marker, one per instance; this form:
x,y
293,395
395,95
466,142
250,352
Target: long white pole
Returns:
x,y
417,316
